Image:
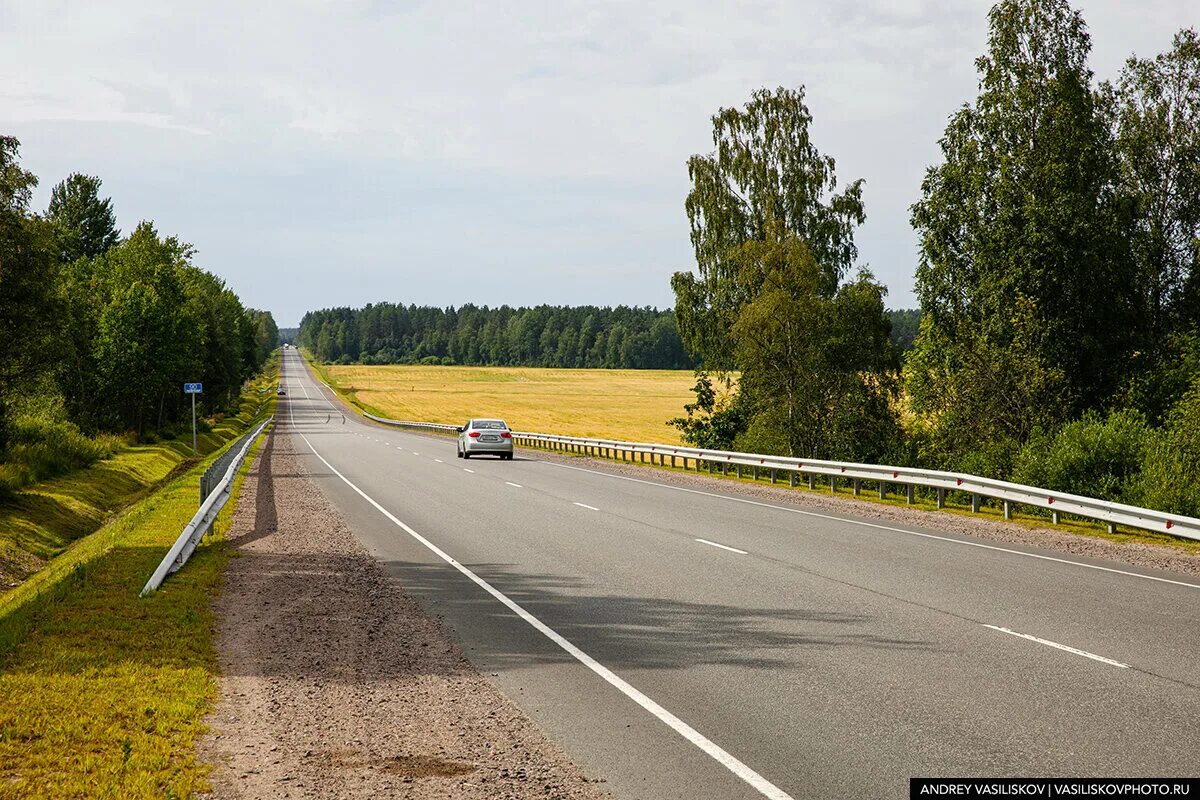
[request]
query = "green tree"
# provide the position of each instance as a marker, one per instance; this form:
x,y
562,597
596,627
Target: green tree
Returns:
x,y
146,341
28,303
984,394
817,372
773,241
1022,255
84,224
1156,106
764,167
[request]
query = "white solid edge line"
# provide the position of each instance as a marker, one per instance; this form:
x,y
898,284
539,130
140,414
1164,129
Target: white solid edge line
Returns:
x,y
874,525
722,546
1049,643
764,787
519,486
585,505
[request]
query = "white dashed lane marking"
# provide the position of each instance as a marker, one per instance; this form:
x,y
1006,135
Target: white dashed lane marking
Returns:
x,y
722,546
1058,646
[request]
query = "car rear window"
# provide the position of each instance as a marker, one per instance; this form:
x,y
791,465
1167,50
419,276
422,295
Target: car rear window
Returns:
x,y
489,425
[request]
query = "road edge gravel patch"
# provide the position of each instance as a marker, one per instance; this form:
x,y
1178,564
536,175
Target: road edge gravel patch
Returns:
x,y
334,683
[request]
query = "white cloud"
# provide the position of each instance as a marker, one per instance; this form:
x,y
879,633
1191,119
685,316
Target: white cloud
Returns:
x,y
593,103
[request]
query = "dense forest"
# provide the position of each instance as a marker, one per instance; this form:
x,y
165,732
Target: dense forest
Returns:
x,y
99,331
542,336
1058,341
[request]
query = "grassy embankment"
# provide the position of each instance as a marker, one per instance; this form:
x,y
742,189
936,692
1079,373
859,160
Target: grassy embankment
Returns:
x,y
102,694
42,520
630,405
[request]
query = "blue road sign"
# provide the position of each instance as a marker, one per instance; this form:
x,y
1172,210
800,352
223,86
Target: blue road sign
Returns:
x,y
193,388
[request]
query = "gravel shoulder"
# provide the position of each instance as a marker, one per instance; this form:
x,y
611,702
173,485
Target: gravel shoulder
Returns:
x,y
335,684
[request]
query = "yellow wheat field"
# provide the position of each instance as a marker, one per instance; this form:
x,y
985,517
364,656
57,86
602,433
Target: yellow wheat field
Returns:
x,y
627,404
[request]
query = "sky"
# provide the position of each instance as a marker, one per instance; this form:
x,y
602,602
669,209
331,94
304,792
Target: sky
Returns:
x,y
340,153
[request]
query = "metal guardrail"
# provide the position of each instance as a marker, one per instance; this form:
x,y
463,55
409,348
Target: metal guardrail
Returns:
x,y
212,476
1010,495
419,426
211,503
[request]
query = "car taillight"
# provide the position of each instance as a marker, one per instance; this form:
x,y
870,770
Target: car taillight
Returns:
x,y
506,435
474,434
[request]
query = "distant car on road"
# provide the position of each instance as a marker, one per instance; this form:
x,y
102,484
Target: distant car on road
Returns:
x,y
485,436
282,391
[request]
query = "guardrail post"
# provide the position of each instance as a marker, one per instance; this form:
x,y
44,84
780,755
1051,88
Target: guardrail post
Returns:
x,y
812,481
941,498
792,479
1007,510
975,500
755,473
910,494
1112,527
833,484
772,476
882,490
739,470
1054,517
857,487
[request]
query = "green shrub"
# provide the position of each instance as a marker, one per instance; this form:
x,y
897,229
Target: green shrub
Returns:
x,y
42,447
993,460
1092,456
1170,477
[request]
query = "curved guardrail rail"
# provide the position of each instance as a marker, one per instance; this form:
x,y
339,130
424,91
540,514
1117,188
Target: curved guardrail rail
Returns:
x,y
794,469
199,525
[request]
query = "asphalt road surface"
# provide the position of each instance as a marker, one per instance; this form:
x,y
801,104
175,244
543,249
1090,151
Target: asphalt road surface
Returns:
x,y
685,644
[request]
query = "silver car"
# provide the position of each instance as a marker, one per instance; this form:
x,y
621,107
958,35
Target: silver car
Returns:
x,y
485,436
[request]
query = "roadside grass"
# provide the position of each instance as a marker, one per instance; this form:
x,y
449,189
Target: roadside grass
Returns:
x,y
106,694
957,503
624,404
42,520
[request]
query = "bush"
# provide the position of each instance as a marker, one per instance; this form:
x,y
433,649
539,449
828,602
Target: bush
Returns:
x,y
1170,477
41,447
995,459
1092,456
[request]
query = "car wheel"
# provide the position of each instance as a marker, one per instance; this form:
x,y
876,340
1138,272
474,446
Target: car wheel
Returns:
x,y
466,454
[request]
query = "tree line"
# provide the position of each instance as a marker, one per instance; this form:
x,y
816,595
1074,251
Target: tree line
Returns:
x,y
541,336
1058,339
98,331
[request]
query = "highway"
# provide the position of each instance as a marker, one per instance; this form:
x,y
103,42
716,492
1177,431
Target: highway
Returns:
x,y
694,644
